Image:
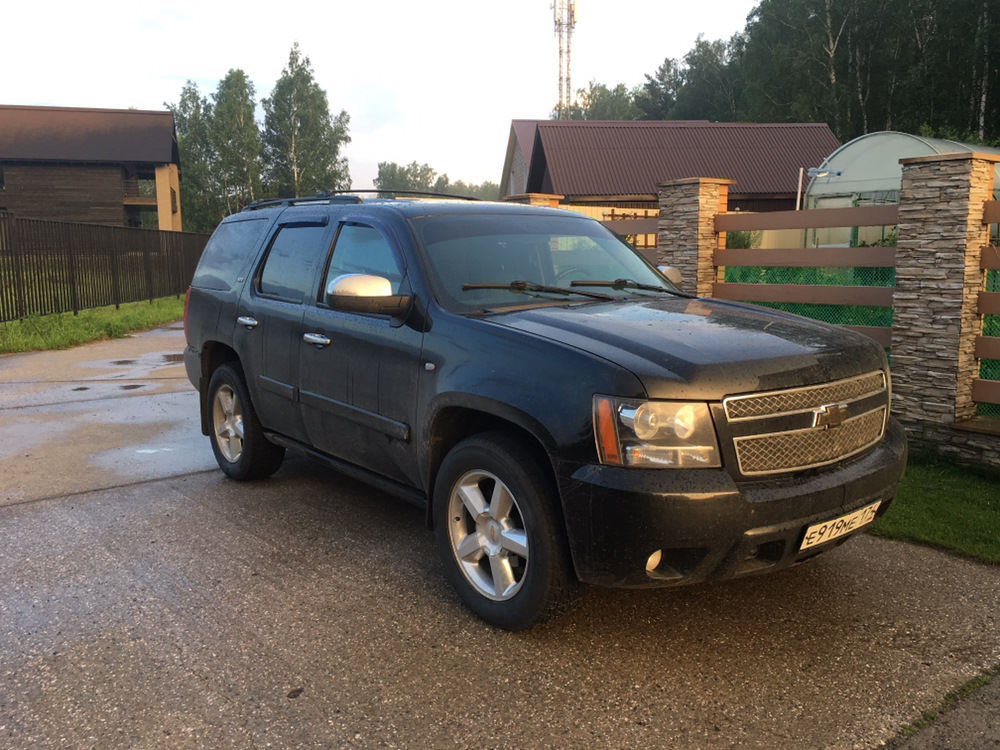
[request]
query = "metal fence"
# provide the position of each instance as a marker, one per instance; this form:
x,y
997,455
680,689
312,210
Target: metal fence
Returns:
x,y
51,267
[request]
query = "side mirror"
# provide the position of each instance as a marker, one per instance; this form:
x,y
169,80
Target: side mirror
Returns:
x,y
671,274
361,293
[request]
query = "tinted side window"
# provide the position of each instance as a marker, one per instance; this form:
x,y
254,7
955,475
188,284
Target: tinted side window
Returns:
x,y
227,252
288,268
361,249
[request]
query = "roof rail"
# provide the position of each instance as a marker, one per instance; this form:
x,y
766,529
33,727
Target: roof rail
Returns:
x,y
409,193
325,197
349,196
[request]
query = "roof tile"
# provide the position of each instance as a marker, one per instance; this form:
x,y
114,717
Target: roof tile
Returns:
x,y
584,158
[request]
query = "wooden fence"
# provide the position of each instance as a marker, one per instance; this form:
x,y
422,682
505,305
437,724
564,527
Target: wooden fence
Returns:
x,y
825,291
50,267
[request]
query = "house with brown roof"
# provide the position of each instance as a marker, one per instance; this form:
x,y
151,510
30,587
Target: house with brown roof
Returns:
x,y
99,166
620,163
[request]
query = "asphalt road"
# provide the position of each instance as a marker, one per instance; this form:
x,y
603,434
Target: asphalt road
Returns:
x,y
148,602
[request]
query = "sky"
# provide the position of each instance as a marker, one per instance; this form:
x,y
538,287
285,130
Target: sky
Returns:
x,y
437,82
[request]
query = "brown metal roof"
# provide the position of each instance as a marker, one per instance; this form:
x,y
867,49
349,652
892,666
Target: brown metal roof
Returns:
x,y
87,135
604,158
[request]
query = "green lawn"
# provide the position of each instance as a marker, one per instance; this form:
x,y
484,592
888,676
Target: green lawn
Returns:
x,y
953,507
66,329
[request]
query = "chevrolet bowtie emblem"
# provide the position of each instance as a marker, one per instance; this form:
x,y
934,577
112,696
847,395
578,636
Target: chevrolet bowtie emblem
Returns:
x,y
831,415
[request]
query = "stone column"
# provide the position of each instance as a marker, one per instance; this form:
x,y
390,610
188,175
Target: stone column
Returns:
x,y
687,238
938,278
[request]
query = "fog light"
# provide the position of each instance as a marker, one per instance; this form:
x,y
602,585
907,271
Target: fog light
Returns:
x,y
654,561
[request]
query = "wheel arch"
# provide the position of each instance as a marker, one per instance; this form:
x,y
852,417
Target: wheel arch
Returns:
x,y
213,355
454,423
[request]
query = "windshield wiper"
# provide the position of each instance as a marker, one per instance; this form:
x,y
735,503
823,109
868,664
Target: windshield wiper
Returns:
x,y
619,284
520,287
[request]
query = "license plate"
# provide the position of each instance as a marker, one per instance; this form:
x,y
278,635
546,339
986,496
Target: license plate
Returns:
x,y
819,533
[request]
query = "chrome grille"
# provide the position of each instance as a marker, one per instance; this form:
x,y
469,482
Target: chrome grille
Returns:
x,y
782,431
799,400
803,449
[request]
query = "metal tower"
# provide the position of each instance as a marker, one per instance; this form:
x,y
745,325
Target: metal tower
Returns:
x,y
565,19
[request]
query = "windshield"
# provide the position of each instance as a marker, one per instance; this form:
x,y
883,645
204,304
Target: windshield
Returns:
x,y
467,252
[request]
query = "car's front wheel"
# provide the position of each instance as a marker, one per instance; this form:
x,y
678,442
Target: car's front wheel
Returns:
x,y
238,441
500,535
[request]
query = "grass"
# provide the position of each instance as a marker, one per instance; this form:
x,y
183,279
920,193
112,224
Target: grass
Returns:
x,y
951,700
66,329
953,507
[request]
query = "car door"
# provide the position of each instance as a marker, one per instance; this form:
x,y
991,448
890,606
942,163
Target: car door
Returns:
x,y
358,372
269,321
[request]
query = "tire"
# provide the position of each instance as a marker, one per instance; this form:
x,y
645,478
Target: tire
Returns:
x,y
500,535
237,438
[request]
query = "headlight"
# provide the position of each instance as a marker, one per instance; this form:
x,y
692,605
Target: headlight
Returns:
x,y
655,434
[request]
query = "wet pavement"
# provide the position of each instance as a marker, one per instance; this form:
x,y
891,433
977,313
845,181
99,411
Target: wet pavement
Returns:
x,y
100,415
146,602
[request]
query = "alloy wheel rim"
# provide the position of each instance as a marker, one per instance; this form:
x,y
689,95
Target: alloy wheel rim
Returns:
x,y
227,418
487,534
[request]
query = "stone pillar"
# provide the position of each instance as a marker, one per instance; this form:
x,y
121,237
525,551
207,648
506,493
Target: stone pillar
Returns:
x,y
687,238
938,278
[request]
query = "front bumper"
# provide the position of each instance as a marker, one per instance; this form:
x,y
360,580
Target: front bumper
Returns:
x,y
707,526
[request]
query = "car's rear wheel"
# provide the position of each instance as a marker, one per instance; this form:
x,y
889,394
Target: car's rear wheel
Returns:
x,y
238,441
500,534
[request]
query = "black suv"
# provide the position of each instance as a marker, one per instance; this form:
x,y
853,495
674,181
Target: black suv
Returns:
x,y
560,409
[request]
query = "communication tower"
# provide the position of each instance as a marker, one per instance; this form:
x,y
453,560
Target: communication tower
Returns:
x,y
565,19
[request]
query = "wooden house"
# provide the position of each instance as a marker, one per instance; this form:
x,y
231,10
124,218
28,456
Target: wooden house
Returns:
x,y
99,166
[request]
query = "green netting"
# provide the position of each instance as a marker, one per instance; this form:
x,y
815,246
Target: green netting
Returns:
x,y
988,410
851,315
811,276
844,315
989,369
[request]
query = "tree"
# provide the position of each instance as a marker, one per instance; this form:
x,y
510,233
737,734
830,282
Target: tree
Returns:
x,y
201,204
487,191
392,176
907,65
598,102
301,141
236,140
708,88
423,178
659,92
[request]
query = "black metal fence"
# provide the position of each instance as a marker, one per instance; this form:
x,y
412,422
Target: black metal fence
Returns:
x,y
50,267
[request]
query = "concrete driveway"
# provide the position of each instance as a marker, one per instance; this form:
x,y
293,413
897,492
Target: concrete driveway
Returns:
x,y
146,601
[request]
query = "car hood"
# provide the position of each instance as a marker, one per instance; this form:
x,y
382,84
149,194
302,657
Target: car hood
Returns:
x,y
703,349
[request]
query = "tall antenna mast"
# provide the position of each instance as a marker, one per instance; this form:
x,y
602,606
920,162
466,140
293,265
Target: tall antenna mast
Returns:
x,y
564,12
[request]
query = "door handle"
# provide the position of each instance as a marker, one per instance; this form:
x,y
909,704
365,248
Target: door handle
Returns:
x,y
316,338
246,320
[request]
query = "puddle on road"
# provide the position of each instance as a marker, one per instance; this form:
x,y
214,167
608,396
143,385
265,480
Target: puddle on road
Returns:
x,y
130,387
81,388
173,358
123,362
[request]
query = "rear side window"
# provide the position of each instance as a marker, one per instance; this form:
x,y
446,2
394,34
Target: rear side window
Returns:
x,y
291,262
227,253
